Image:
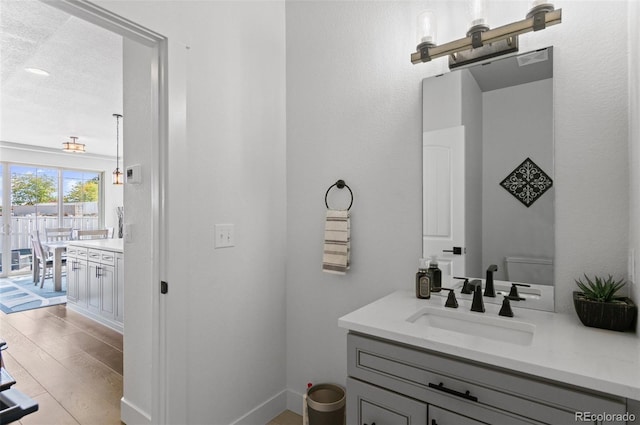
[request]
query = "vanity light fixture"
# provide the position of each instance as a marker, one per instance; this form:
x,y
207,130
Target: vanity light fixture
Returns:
x,y
117,176
73,146
481,42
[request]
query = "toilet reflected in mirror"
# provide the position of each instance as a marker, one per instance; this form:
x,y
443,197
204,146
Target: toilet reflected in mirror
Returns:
x,y
529,270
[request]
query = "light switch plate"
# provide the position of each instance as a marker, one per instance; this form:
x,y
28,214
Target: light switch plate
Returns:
x,y
133,174
224,235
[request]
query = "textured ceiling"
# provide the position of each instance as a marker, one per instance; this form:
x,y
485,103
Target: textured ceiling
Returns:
x,y
84,88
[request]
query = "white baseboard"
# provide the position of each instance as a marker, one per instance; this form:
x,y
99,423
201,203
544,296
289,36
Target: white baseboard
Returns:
x,y
130,414
294,401
260,415
266,411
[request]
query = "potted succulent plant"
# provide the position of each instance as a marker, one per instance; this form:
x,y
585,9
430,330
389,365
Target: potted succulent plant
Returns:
x,y
598,307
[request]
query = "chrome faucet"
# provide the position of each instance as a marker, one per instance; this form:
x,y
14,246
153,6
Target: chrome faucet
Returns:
x,y
489,291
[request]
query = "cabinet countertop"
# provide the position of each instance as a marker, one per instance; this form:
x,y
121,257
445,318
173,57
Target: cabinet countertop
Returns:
x,y
114,245
562,349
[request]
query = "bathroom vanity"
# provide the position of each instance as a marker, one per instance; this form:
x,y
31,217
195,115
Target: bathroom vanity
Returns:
x,y
96,280
413,361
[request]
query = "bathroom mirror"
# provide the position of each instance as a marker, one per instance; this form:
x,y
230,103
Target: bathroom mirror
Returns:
x,y
488,169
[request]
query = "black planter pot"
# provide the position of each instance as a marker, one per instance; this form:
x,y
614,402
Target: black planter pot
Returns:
x,y
616,316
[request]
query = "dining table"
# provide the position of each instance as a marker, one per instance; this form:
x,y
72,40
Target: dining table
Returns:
x,y
57,248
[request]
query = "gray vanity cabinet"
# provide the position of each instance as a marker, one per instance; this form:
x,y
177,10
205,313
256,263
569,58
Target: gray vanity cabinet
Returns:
x,y
417,386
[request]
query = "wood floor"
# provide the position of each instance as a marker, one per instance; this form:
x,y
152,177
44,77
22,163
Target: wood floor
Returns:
x,y
70,365
286,418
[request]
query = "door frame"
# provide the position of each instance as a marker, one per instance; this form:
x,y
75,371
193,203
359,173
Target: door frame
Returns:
x,y
99,16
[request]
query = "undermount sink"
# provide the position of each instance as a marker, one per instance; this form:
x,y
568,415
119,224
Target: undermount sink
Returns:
x,y
475,324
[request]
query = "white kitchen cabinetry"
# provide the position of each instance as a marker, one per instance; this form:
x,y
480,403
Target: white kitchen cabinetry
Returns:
x,y
96,283
77,276
391,383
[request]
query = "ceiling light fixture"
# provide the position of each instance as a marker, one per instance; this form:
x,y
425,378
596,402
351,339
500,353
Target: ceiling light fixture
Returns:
x,y
73,146
117,177
481,42
37,71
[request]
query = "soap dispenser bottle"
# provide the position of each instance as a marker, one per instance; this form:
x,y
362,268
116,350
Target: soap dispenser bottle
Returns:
x,y
423,280
436,274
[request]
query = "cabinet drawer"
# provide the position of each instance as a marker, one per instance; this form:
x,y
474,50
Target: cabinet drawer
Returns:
x,y
108,257
102,256
77,252
94,255
448,381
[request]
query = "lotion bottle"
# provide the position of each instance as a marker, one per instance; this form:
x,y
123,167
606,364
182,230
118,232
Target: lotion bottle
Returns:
x,y
436,274
423,280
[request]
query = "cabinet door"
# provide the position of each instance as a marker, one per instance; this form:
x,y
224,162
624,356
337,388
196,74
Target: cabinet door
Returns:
x,y
72,280
120,288
107,290
370,405
93,280
81,280
439,416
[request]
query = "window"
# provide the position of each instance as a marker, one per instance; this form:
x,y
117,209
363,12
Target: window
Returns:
x,y
41,197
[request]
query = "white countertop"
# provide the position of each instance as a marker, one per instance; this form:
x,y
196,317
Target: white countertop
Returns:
x,y
562,349
114,245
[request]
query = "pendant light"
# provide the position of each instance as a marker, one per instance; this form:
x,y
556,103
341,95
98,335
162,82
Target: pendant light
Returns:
x,y
117,176
73,146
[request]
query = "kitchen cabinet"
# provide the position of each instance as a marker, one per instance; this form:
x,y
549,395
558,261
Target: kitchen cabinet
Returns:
x,y
96,283
77,275
392,383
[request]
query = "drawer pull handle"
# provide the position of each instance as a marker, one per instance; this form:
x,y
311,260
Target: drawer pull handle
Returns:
x,y
441,387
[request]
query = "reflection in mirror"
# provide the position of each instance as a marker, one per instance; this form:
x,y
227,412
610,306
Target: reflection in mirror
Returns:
x,y
488,169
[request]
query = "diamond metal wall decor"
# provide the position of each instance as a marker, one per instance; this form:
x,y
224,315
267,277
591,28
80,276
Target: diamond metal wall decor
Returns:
x,y
527,182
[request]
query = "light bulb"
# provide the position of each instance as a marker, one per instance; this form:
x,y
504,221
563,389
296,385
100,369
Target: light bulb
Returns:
x,y
478,12
427,27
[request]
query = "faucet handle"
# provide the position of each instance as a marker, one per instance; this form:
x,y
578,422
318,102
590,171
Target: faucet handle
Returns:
x,y
505,310
466,287
452,302
513,293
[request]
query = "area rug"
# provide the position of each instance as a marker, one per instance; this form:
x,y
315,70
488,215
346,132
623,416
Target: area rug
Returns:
x,y
20,294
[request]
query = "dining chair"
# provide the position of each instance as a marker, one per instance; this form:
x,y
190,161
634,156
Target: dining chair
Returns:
x,y
44,262
58,233
93,234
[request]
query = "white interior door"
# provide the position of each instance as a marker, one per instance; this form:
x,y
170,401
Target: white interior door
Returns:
x,y
443,195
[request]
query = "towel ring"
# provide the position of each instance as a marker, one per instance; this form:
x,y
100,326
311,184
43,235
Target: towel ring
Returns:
x,y
339,184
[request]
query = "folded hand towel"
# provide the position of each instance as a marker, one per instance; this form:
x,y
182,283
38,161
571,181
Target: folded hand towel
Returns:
x,y
337,242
